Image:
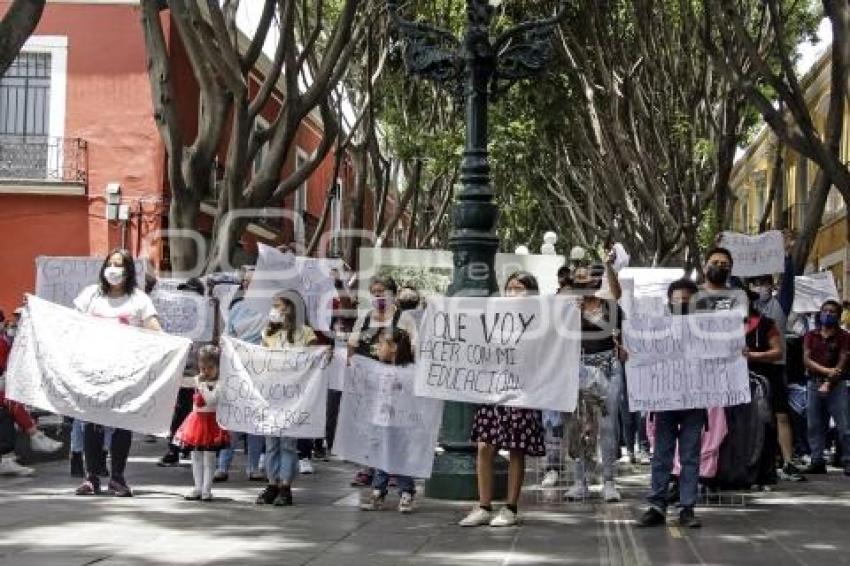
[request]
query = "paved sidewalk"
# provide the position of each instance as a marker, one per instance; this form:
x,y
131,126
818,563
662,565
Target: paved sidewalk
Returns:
x,y
43,523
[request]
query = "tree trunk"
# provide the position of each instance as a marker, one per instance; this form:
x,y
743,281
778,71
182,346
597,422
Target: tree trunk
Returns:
x,y
358,207
17,25
182,221
775,188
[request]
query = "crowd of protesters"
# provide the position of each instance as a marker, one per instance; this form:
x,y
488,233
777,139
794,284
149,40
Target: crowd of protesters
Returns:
x,y
798,360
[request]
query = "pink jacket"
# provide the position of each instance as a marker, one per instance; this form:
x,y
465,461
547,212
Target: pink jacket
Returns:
x,y
711,440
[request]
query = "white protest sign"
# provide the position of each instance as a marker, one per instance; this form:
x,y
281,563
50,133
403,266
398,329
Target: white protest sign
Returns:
x,y
311,278
81,366
185,313
430,271
763,254
382,423
518,351
645,289
273,392
686,362
60,279
811,291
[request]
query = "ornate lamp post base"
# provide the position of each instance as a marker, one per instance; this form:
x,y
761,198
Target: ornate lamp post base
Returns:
x,y
481,66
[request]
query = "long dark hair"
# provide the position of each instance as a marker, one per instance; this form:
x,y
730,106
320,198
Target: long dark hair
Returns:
x,y
293,300
525,279
130,282
403,344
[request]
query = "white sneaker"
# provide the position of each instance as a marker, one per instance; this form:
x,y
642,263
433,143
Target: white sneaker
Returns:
x,y
505,518
610,493
405,504
643,458
478,517
305,466
39,442
550,479
577,492
9,467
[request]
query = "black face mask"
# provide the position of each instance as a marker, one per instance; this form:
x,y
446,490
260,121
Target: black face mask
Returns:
x,y
682,308
717,275
593,285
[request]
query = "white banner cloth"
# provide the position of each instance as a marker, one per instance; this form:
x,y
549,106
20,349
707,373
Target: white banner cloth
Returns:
x,y
382,424
80,366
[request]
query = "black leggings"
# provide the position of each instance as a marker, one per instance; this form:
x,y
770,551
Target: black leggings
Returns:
x,y
182,408
93,448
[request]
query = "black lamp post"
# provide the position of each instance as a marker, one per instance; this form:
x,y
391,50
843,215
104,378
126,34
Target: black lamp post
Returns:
x,y
481,68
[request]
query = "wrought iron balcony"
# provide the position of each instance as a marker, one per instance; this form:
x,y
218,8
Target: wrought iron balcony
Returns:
x,y
41,158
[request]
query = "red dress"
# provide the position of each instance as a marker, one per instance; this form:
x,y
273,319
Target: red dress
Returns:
x,y
200,431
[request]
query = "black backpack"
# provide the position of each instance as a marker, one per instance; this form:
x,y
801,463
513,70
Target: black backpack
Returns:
x,y
368,337
748,451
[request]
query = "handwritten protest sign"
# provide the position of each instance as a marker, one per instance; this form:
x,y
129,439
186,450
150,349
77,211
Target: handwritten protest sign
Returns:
x,y
311,278
80,366
273,392
60,279
755,255
382,423
521,352
645,289
811,291
685,362
185,313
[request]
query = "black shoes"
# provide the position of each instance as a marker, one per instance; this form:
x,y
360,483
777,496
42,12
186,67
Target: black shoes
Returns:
x,y
652,518
284,497
688,520
268,495
170,459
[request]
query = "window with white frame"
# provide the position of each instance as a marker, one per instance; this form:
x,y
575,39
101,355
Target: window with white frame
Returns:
x,y
299,206
32,110
336,207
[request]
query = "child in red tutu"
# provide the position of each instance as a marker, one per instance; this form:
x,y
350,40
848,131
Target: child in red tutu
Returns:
x,y
200,431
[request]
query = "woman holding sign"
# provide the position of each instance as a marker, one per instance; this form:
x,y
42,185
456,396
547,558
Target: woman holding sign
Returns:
x,y
116,296
285,330
601,321
519,431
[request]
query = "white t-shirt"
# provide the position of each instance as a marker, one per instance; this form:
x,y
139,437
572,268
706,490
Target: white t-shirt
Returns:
x,y
133,310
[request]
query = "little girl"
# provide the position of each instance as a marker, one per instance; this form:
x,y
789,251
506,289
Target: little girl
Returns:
x,y
200,431
394,348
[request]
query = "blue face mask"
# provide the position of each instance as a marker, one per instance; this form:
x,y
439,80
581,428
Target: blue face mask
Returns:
x,y
828,320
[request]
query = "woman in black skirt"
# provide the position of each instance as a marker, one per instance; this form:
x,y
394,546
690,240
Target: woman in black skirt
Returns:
x,y
519,431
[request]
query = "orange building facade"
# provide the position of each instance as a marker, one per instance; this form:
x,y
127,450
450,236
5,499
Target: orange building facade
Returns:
x,y
76,130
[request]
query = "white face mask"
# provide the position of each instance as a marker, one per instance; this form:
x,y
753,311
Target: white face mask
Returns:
x,y
11,331
114,275
275,316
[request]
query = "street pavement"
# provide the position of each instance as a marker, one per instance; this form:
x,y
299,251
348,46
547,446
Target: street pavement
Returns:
x,y
43,523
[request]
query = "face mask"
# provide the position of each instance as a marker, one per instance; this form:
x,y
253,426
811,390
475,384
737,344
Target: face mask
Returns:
x,y
681,308
717,275
114,275
592,285
275,316
762,294
379,303
828,319
11,331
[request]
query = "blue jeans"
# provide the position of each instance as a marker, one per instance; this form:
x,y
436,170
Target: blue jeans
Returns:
x,y
818,412
255,448
686,427
281,459
382,480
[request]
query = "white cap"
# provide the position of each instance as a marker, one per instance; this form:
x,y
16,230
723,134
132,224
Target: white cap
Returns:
x,y
577,253
550,238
